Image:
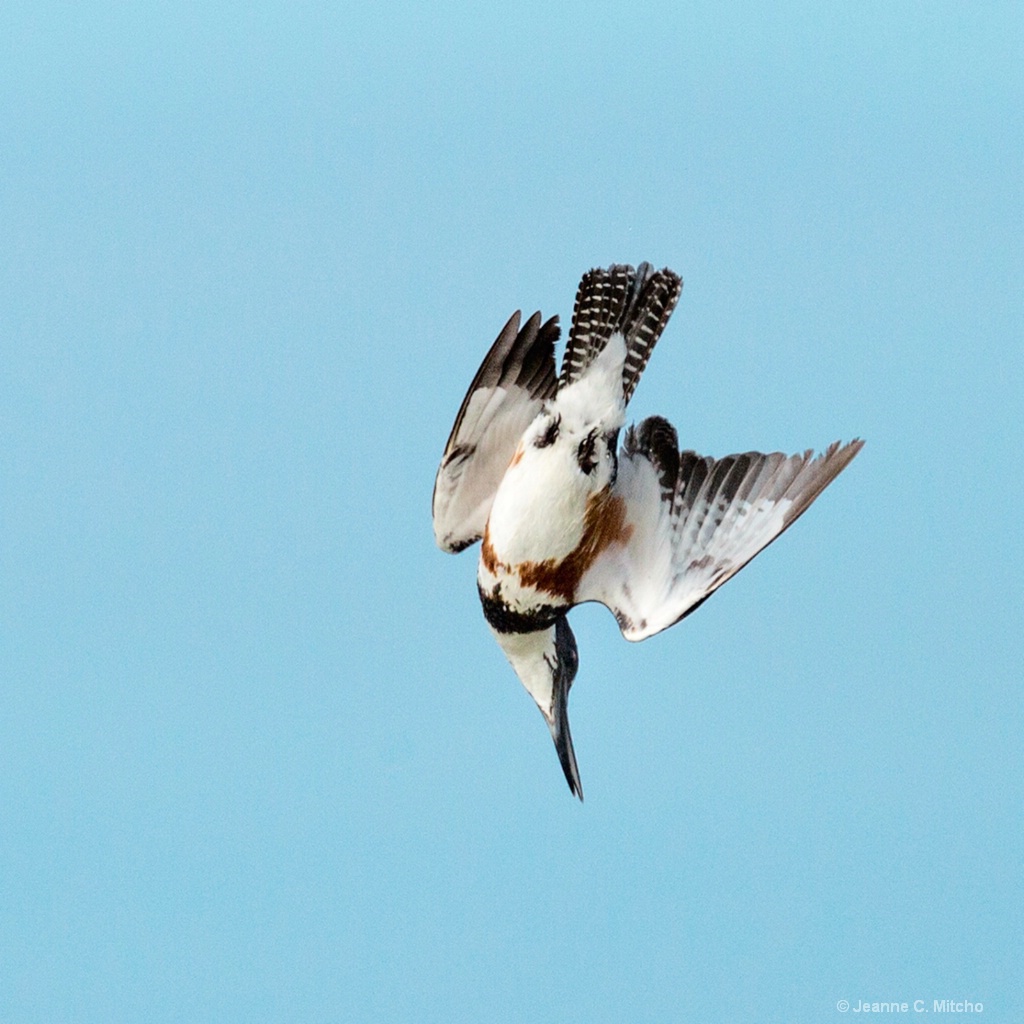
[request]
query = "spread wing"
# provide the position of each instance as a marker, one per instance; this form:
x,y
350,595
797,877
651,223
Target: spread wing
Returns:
x,y
692,522
514,380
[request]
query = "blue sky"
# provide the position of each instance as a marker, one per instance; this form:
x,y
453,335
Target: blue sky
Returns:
x,y
259,758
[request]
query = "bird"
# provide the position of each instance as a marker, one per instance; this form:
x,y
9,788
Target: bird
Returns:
x,y
533,469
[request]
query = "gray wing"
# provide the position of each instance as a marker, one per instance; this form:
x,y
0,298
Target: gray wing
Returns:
x,y
513,382
692,522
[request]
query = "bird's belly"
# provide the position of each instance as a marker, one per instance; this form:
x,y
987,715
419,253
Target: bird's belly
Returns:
x,y
536,516
536,519
537,546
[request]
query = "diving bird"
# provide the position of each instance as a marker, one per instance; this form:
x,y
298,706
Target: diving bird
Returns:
x,y
531,469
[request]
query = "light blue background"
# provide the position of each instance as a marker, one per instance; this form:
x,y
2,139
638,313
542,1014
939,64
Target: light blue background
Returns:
x,y
259,758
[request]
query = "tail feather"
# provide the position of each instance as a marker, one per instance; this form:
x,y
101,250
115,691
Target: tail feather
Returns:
x,y
636,303
647,316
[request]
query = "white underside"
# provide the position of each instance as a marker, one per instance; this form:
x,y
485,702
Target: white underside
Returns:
x,y
538,509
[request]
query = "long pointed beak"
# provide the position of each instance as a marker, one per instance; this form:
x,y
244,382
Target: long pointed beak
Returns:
x,y
546,661
559,726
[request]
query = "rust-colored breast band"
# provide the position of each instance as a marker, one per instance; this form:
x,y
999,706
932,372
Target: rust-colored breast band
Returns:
x,y
604,524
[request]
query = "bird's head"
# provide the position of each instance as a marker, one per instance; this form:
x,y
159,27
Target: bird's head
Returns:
x,y
546,661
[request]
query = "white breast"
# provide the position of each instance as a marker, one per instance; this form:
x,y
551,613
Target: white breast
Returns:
x,y
538,509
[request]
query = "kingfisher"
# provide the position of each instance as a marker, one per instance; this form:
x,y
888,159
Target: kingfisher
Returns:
x,y
531,469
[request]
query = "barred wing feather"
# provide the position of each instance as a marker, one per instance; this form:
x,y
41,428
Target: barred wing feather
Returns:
x,y
693,522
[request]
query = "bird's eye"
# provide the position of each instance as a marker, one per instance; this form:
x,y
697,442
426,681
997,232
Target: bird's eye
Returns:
x,y
585,453
550,434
